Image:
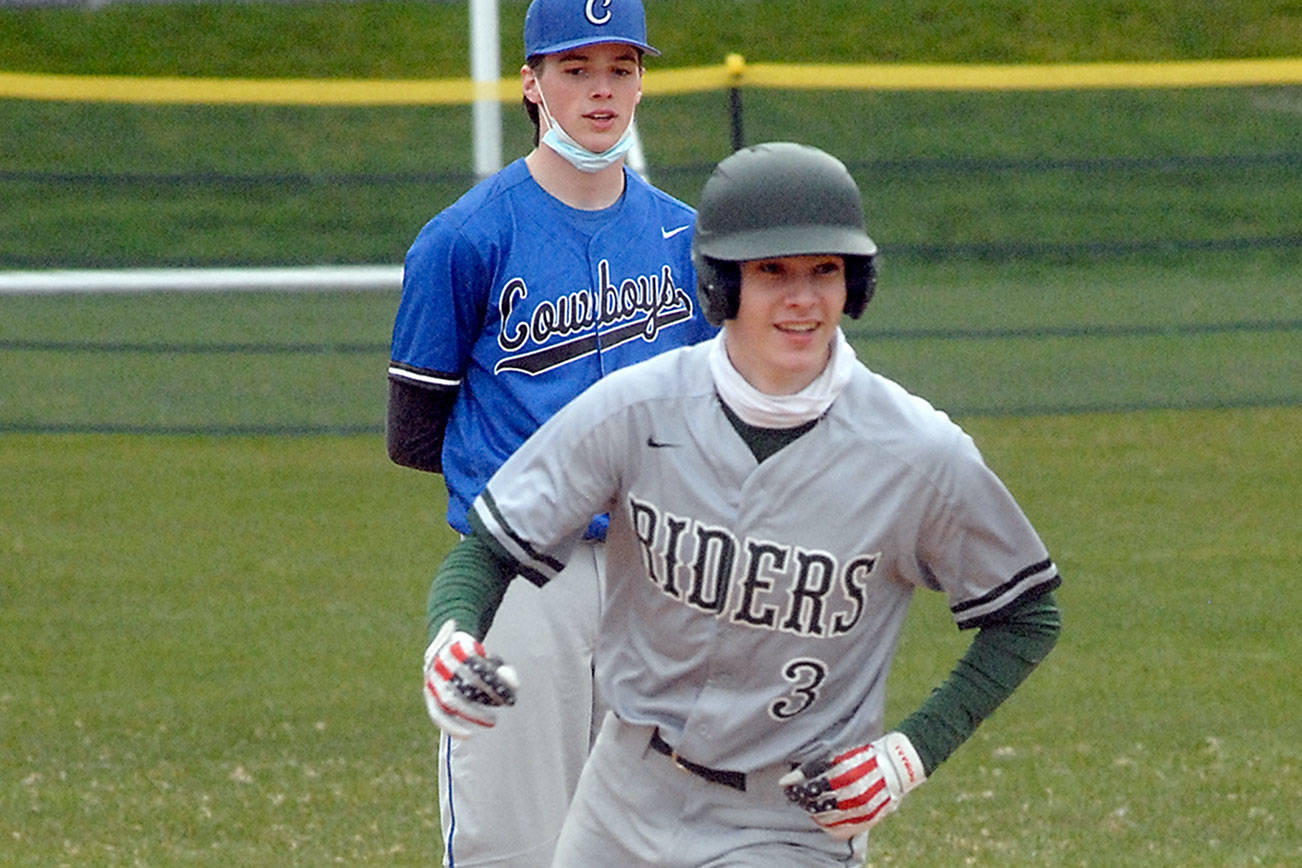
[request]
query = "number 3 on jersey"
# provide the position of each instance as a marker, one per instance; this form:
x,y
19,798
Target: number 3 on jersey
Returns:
x,y
805,675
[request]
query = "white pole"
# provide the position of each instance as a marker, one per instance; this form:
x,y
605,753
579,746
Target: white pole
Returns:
x,y
315,278
485,71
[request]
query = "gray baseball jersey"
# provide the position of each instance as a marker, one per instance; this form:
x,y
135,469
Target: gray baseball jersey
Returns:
x,y
751,609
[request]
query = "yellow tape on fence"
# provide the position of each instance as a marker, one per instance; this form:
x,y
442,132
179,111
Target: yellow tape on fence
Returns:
x,y
1063,76
248,91
735,73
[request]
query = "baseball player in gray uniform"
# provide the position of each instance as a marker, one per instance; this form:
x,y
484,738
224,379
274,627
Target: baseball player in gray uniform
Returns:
x,y
773,506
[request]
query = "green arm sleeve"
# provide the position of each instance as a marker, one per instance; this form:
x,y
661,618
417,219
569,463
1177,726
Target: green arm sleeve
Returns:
x,y
468,586
1002,654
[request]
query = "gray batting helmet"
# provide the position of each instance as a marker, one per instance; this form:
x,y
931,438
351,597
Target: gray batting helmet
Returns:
x,y
779,199
559,25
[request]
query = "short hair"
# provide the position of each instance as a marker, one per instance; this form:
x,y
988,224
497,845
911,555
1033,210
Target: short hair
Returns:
x,y
534,62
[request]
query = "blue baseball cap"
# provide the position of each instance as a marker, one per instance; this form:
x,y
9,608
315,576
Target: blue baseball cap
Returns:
x,y
559,25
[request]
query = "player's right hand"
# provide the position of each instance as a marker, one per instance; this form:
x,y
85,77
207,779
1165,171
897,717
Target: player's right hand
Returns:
x,y
464,686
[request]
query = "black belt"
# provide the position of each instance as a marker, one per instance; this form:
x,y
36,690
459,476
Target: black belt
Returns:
x,y
736,780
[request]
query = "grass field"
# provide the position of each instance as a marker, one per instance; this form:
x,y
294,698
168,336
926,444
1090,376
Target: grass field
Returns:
x,y
208,643
994,31
111,185
115,185
1187,330
209,653
411,38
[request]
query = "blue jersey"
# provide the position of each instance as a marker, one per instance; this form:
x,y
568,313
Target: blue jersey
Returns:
x,y
520,302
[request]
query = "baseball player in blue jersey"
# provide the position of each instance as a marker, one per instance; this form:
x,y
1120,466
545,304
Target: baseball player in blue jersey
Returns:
x,y
542,279
773,505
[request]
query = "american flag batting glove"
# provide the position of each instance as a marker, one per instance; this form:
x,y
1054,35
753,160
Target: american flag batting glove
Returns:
x,y
464,686
850,793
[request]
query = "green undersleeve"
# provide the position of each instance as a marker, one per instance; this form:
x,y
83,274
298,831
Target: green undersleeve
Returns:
x,y
468,587
1001,656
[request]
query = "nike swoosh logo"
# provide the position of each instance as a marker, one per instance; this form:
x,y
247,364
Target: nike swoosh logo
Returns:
x,y
656,444
670,233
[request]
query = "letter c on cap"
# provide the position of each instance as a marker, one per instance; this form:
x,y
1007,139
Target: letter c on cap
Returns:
x,y
590,11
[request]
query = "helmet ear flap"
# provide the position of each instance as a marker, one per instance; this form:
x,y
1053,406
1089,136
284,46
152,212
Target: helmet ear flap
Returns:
x,y
860,283
718,287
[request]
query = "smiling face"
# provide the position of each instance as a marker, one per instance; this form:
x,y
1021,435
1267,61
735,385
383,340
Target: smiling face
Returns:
x,y
591,91
789,310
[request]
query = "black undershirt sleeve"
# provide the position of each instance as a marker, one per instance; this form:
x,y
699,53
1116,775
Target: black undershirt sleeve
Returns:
x,y
417,420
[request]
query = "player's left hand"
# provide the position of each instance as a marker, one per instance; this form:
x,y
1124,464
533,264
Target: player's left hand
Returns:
x,y
464,686
851,792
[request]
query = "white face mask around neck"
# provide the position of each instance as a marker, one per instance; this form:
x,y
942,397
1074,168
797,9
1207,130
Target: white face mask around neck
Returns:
x,y
780,411
574,153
